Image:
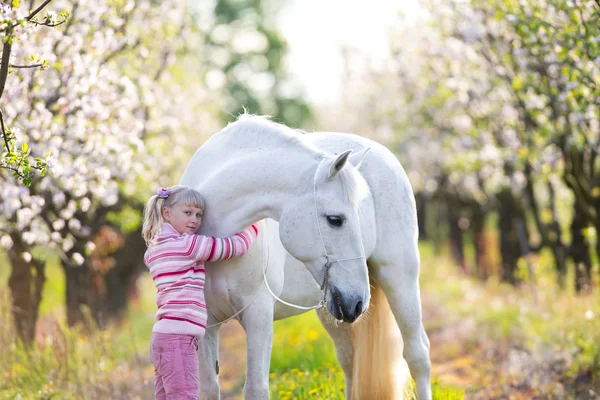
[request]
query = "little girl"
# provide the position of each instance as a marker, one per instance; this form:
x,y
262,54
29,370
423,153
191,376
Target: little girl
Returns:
x,y
175,257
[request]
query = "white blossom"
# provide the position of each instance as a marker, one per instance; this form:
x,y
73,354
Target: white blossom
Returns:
x,y
6,242
78,258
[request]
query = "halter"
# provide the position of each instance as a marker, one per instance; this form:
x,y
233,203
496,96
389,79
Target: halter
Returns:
x,y
330,261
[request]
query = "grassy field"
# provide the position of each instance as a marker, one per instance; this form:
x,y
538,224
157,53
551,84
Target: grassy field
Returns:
x,y
70,364
533,341
488,341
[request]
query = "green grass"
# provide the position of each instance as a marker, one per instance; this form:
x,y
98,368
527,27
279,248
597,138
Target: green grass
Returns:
x,y
66,363
303,362
304,365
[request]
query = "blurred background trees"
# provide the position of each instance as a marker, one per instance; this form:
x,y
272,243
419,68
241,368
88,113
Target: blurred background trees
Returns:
x,y
492,107
128,93
18,160
244,56
494,112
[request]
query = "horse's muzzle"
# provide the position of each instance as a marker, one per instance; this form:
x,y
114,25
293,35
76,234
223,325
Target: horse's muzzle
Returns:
x,y
345,307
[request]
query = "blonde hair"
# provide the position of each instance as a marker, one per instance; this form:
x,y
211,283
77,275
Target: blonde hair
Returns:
x,y
153,218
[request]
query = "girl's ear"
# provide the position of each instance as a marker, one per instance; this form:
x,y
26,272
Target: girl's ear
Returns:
x,y
166,214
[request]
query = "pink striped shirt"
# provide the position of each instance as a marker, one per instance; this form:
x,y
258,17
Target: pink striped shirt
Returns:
x,y
176,263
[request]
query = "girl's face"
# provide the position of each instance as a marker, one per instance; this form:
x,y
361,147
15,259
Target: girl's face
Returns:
x,y
185,219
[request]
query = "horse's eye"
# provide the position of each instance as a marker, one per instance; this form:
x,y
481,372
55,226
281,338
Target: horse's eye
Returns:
x,y
335,220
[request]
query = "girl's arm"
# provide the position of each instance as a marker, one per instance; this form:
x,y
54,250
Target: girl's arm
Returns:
x,y
215,249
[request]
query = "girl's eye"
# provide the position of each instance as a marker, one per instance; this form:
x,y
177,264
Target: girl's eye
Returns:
x,y
187,213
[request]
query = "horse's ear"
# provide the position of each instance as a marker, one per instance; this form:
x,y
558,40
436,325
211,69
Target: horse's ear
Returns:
x,y
357,158
339,163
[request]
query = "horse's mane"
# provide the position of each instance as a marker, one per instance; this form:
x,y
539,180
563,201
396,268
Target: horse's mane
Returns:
x,y
258,129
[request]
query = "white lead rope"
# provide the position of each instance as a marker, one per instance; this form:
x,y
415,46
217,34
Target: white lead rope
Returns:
x,y
321,304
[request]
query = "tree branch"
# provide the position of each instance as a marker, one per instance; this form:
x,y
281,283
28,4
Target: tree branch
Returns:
x,y
124,46
27,66
16,171
4,66
4,132
48,24
37,10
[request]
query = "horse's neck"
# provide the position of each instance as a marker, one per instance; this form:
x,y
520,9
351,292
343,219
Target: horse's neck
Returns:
x,y
246,177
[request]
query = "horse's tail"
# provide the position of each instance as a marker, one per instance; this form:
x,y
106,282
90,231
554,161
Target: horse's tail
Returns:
x,y
378,369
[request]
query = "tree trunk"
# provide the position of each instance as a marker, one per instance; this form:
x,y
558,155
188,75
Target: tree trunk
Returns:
x,y
103,292
121,279
580,252
456,234
559,250
82,296
422,216
437,233
477,227
509,241
26,283
596,224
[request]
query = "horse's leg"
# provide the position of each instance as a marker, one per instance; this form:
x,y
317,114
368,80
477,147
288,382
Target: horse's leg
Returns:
x,y
257,321
208,353
340,335
396,270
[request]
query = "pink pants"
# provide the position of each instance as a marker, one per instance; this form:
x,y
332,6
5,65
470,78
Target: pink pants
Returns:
x,y
175,359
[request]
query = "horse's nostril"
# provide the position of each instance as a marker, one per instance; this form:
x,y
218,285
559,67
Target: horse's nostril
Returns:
x,y
358,309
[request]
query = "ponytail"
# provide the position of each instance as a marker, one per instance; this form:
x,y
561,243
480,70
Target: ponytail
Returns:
x,y
153,219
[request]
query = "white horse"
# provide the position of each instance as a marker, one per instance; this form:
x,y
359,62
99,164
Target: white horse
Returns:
x,y
333,221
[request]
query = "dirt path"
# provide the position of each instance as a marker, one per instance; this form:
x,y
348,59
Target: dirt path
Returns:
x,y
464,357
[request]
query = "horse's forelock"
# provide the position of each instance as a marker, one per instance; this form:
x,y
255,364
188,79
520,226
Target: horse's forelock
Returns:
x,y
355,186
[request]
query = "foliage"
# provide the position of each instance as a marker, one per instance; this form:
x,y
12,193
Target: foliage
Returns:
x,y
19,160
494,110
245,61
88,108
119,109
118,106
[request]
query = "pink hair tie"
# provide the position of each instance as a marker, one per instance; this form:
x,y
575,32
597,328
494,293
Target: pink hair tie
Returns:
x,y
163,193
